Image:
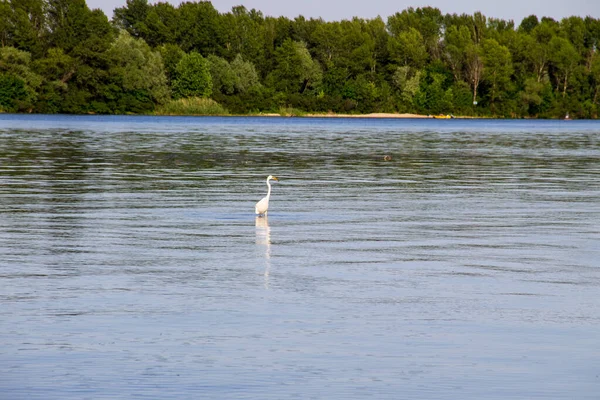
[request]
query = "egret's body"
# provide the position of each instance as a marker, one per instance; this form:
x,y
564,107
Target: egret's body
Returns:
x,y
262,206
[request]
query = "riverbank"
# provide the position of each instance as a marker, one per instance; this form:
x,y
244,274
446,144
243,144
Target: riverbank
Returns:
x,y
370,115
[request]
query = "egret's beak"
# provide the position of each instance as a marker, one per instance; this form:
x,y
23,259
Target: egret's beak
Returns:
x,y
275,179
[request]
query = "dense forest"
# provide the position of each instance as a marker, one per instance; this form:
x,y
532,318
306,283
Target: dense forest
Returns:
x,y
58,56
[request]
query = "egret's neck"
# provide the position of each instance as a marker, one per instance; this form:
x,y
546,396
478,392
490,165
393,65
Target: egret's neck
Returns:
x,y
269,191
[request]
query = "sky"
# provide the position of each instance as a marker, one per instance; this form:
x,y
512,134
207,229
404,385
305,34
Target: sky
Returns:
x,y
336,10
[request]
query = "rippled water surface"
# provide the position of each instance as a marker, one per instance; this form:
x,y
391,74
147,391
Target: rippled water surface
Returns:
x,y
464,265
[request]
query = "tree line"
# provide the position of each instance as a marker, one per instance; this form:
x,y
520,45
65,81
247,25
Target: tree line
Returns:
x,y
59,56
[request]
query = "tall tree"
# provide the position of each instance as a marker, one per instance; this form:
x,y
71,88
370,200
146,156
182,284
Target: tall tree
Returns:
x,y
595,77
457,40
18,83
474,68
192,77
22,25
564,58
138,72
427,21
132,17
498,69
243,33
245,75
295,70
528,24
199,28
407,48
223,78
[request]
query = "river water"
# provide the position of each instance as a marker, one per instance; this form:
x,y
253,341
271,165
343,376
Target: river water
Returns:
x,y
421,259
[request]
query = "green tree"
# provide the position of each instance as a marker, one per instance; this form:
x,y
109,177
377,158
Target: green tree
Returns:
x,y
57,68
77,30
19,84
138,71
456,41
474,68
574,30
199,28
295,70
13,93
157,31
171,55
5,24
243,34
427,21
537,50
595,79
528,24
407,82
432,96
156,24
564,58
22,25
223,77
245,75
363,92
408,48
132,17
532,97
85,35
192,77
328,38
498,69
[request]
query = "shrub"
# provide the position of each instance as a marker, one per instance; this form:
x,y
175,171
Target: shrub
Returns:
x,y
191,106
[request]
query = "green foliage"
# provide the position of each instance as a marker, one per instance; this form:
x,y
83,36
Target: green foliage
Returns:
x,y
433,96
457,40
12,92
223,77
291,112
191,106
427,21
198,28
60,56
407,81
171,55
408,48
498,69
192,77
132,17
528,24
564,59
235,77
22,23
245,75
295,71
19,82
137,70
76,29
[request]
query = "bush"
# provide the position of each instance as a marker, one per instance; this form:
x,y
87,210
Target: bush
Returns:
x,y
191,106
291,112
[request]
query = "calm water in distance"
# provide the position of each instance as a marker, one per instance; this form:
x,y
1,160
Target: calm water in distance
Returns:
x,y
467,266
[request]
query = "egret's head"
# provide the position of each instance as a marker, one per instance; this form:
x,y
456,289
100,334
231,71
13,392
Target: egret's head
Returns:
x,y
273,178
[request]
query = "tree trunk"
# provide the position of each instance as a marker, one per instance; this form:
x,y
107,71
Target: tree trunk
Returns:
x,y
540,73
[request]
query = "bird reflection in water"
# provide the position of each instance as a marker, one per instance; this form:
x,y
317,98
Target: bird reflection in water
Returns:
x,y
263,238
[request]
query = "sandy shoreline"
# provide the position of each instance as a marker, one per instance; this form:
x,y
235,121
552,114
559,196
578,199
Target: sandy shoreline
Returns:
x,y
371,115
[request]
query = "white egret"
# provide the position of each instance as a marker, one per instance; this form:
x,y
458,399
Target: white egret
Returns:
x,y
263,205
